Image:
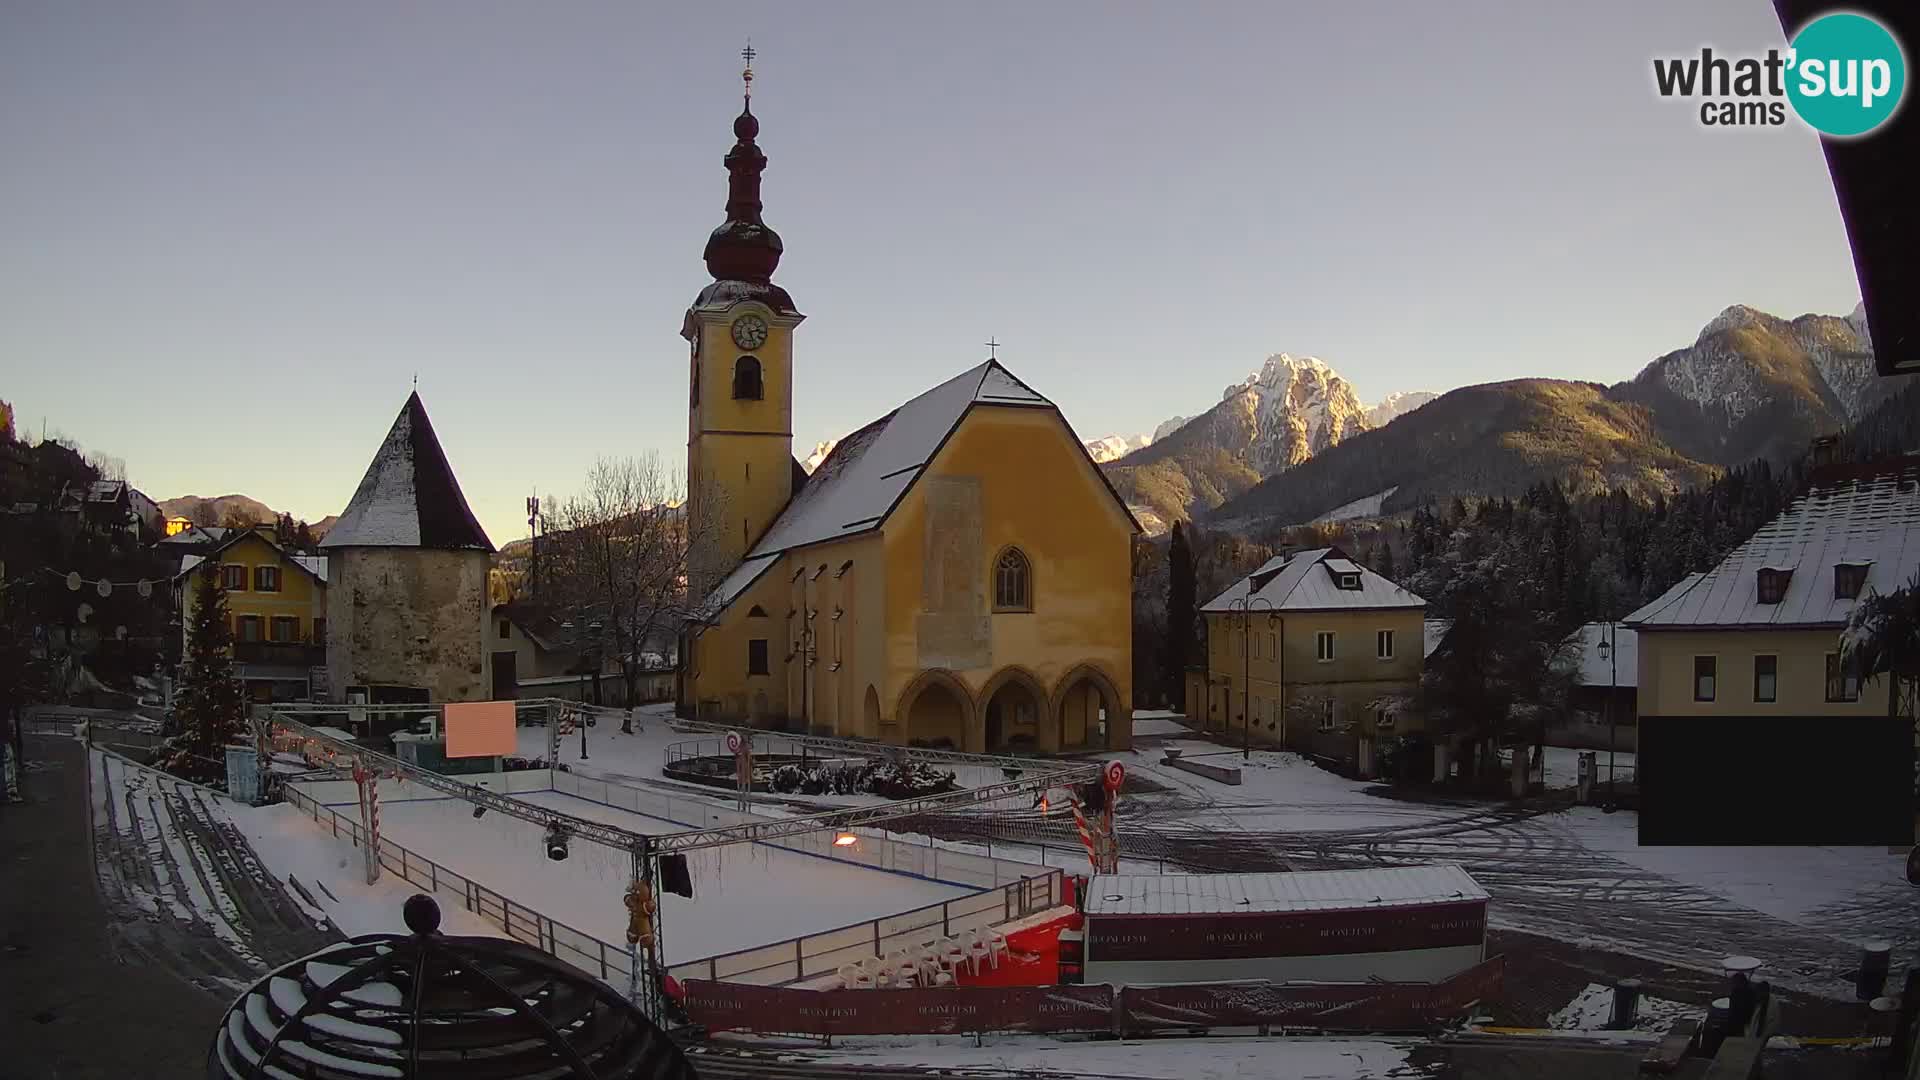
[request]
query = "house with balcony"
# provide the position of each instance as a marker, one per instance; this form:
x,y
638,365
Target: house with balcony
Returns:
x,y
277,604
1315,653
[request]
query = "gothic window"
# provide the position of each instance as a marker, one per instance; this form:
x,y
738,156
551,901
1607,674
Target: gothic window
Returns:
x,y
1012,582
746,379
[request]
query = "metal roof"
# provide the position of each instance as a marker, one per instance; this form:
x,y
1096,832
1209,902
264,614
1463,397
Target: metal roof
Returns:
x,y
1314,890
409,497
1291,583
1873,518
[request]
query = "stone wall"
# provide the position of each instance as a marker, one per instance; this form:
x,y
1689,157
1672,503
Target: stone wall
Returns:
x,y
408,617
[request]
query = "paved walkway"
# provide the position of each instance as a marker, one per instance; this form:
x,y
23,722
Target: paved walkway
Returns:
x,y
71,1005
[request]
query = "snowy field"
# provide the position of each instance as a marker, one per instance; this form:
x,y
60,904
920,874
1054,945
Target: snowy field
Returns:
x,y
745,895
333,872
1150,1059
1563,765
1279,791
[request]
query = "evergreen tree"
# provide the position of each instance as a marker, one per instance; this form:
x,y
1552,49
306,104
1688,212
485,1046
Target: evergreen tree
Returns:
x,y
1181,602
1385,558
303,537
210,711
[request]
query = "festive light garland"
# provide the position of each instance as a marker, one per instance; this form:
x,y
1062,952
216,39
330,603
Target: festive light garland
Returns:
x,y
102,586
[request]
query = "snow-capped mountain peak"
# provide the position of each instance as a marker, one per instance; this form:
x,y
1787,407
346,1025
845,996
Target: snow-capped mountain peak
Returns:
x,y
820,451
1397,404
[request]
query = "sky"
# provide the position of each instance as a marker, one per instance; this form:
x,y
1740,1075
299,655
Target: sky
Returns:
x,y
235,233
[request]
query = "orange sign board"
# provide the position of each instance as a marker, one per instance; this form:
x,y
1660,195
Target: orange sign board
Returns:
x,y
480,729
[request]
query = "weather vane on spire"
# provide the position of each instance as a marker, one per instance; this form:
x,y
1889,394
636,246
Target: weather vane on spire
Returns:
x,y
746,76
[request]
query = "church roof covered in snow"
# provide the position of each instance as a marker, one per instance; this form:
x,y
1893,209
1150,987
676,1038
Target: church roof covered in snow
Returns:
x,y
1865,518
1311,581
869,471
409,498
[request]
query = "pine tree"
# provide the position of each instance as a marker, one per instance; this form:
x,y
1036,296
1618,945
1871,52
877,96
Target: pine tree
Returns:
x,y
1180,613
303,537
210,711
1385,558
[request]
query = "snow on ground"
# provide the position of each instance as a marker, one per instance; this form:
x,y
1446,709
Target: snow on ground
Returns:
x,y
1367,506
1591,1008
1149,723
745,895
1789,883
1279,791
332,870
1563,765
1172,1059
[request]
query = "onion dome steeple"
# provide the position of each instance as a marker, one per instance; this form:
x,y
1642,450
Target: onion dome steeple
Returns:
x,y
744,248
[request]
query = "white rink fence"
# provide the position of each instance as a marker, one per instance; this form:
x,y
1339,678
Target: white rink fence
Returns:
x,y
1003,890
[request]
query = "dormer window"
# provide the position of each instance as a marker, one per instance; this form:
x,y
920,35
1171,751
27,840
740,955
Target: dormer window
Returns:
x,y
1848,579
1773,583
1345,574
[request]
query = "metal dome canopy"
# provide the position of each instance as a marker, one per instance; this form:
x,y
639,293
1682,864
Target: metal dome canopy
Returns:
x,y
427,1005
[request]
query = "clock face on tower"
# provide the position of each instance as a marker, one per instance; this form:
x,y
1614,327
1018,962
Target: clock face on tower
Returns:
x,y
749,331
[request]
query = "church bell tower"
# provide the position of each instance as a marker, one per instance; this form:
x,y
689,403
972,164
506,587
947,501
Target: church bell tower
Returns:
x,y
740,465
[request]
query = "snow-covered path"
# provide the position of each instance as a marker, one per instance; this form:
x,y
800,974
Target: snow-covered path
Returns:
x,y
192,894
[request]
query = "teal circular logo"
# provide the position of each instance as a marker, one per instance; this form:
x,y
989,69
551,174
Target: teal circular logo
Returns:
x,y
1846,74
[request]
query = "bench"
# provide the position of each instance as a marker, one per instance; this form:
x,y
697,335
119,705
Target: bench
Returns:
x,y
1223,773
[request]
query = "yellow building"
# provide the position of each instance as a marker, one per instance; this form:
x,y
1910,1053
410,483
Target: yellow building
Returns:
x,y
1323,654
956,572
276,606
177,525
1744,686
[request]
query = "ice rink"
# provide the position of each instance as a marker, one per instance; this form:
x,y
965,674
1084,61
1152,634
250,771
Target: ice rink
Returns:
x,y
745,895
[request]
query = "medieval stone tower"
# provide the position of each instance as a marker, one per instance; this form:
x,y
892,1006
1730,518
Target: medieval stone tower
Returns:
x,y
407,566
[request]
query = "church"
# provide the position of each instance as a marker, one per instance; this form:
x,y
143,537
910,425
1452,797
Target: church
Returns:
x,y
956,573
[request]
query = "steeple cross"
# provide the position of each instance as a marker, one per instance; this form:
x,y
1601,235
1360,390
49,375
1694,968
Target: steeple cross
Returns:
x,y
746,76
993,349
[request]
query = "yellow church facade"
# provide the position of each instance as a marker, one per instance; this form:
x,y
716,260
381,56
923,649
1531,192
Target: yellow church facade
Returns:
x,y
956,573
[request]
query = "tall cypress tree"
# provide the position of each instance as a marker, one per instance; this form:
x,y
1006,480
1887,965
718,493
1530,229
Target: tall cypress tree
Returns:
x,y
1180,613
211,709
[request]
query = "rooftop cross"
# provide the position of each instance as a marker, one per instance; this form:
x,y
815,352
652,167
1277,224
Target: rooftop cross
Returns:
x,y
993,349
746,76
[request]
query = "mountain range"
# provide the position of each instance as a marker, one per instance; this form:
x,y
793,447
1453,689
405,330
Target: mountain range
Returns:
x,y
220,509
1750,385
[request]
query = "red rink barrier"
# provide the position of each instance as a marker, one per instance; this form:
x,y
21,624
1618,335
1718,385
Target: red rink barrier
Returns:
x,y
1373,1007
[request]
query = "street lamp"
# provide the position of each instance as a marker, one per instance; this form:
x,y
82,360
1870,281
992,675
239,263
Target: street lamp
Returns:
x,y
1244,608
1611,655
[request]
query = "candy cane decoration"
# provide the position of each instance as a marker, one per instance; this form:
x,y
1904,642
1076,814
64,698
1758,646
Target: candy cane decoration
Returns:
x,y
367,781
1086,835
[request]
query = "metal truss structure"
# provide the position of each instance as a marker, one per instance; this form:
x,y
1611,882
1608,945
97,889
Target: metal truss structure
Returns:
x,y
1066,774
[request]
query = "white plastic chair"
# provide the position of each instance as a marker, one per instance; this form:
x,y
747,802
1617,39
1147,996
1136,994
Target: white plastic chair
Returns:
x,y
943,978
977,950
996,944
953,954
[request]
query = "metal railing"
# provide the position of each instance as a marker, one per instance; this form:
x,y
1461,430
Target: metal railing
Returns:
x,y
824,953
611,963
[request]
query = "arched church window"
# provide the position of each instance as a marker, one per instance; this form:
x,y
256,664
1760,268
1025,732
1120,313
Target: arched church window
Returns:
x,y
1012,581
746,379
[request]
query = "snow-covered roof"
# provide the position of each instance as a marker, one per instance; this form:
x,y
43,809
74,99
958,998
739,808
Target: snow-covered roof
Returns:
x,y
738,581
1301,582
1434,631
863,477
409,497
1313,890
1621,668
1862,515
868,472
312,564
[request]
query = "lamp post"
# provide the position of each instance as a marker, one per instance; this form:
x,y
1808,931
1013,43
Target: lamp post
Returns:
x,y
1244,607
1611,654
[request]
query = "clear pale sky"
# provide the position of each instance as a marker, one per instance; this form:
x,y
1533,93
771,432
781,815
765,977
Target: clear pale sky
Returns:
x,y
233,232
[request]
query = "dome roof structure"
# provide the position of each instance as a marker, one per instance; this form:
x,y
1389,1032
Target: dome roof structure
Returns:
x,y
427,1005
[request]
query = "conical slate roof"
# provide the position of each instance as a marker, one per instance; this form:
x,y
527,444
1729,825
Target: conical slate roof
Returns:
x,y
409,497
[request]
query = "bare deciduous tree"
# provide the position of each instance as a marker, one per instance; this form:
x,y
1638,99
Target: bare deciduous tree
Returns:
x,y
616,554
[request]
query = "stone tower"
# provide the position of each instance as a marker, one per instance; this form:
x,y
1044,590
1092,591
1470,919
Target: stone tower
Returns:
x,y
407,566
